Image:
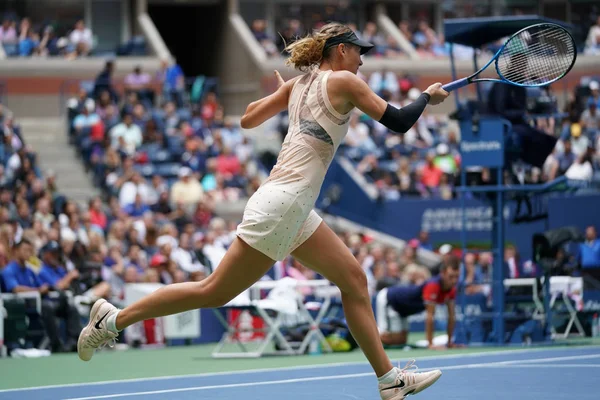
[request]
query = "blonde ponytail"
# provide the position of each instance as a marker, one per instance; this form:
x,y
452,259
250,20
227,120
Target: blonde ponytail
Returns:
x,y
308,51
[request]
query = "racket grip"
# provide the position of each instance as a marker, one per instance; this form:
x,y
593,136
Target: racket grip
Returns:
x,y
456,84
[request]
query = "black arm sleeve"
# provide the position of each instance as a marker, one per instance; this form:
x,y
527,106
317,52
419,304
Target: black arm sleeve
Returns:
x,y
401,120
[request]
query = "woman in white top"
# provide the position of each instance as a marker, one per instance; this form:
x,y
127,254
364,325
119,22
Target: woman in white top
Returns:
x,y
279,219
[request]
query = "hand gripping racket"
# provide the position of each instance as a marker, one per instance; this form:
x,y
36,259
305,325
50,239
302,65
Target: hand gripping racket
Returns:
x,y
534,56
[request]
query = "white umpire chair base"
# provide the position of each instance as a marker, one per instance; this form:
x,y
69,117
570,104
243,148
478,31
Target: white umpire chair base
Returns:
x,y
283,301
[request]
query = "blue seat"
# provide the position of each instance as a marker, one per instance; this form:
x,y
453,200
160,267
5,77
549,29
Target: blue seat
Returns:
x,y
169,170
160,156
175,144
147,170
185,114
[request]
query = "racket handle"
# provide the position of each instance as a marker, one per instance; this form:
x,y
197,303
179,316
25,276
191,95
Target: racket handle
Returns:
x,y
456,84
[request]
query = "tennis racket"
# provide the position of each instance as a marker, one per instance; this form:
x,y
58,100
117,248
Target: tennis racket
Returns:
x,y
534,56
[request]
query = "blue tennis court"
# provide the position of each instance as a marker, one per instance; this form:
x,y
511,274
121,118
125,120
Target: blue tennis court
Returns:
x,y
545,374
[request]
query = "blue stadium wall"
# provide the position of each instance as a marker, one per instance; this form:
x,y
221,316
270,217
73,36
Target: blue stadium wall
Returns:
x,y
404,218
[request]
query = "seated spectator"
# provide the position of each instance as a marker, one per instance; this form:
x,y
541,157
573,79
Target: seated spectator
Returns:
x,y
18,278
187,190
589,251
431,174
137,208
81,40
582,168
140,83
592,44
8,32
135,185
259,30
126,136
88,119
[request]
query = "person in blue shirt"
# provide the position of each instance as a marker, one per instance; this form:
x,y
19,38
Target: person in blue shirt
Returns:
x,y
53,274
589,251
18,278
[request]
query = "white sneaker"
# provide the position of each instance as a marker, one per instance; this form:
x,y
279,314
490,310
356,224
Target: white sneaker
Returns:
x,y
96,334
408,382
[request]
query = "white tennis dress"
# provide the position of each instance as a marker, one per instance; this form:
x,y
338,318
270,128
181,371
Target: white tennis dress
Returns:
x,y
279,217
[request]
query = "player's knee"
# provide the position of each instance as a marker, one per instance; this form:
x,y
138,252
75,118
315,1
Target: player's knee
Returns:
x,y
356,285
211,296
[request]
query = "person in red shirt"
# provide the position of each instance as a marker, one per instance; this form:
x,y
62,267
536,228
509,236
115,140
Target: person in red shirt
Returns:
x,y
97,215
395,304
228,164
431,174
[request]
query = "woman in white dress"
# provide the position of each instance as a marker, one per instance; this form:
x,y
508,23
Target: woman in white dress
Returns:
x,y
279,219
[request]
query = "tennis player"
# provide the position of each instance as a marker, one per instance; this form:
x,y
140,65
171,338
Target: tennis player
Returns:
x,y
396,303
279,220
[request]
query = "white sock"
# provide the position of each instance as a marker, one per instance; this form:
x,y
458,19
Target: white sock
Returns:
x,y
111,323
389,377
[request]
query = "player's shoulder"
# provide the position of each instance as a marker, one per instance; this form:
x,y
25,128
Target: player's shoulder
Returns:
x,y
342,77
433,282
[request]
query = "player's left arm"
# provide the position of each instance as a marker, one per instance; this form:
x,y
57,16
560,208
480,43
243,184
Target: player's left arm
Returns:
x,y
429,323
261,110
451,320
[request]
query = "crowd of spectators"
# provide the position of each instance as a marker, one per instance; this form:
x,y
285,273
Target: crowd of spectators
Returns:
x,y
22,37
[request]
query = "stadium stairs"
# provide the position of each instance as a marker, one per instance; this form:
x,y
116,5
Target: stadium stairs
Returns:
x,y
48,138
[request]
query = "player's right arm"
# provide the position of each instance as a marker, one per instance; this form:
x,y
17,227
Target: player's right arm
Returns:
x,y
358,94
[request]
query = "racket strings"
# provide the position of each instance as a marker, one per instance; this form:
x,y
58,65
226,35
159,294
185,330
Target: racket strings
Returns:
x,y
542,61
537,56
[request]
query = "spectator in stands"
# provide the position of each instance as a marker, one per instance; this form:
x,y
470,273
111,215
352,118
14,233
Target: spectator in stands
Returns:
x,y
582,168
187,190
8,32
18,277
59,280
85,122
430,173
173,80
592,44
595,93
384,80
81,40
589,251
126,137
134,185
579,141
259,29
512,264
471,276
358,138
371,35
104,82
590,118
139,82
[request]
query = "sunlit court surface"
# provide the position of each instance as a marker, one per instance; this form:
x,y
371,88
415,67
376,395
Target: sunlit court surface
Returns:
x,y
520,374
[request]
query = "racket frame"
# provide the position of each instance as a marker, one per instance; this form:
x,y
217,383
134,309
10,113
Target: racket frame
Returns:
x,y
459,83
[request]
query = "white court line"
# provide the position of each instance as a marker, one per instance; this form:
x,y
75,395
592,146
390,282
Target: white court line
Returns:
x,y
545,366
299,368
326,378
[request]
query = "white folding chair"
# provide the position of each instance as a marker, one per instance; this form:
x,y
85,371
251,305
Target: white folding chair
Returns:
x,y
282,304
